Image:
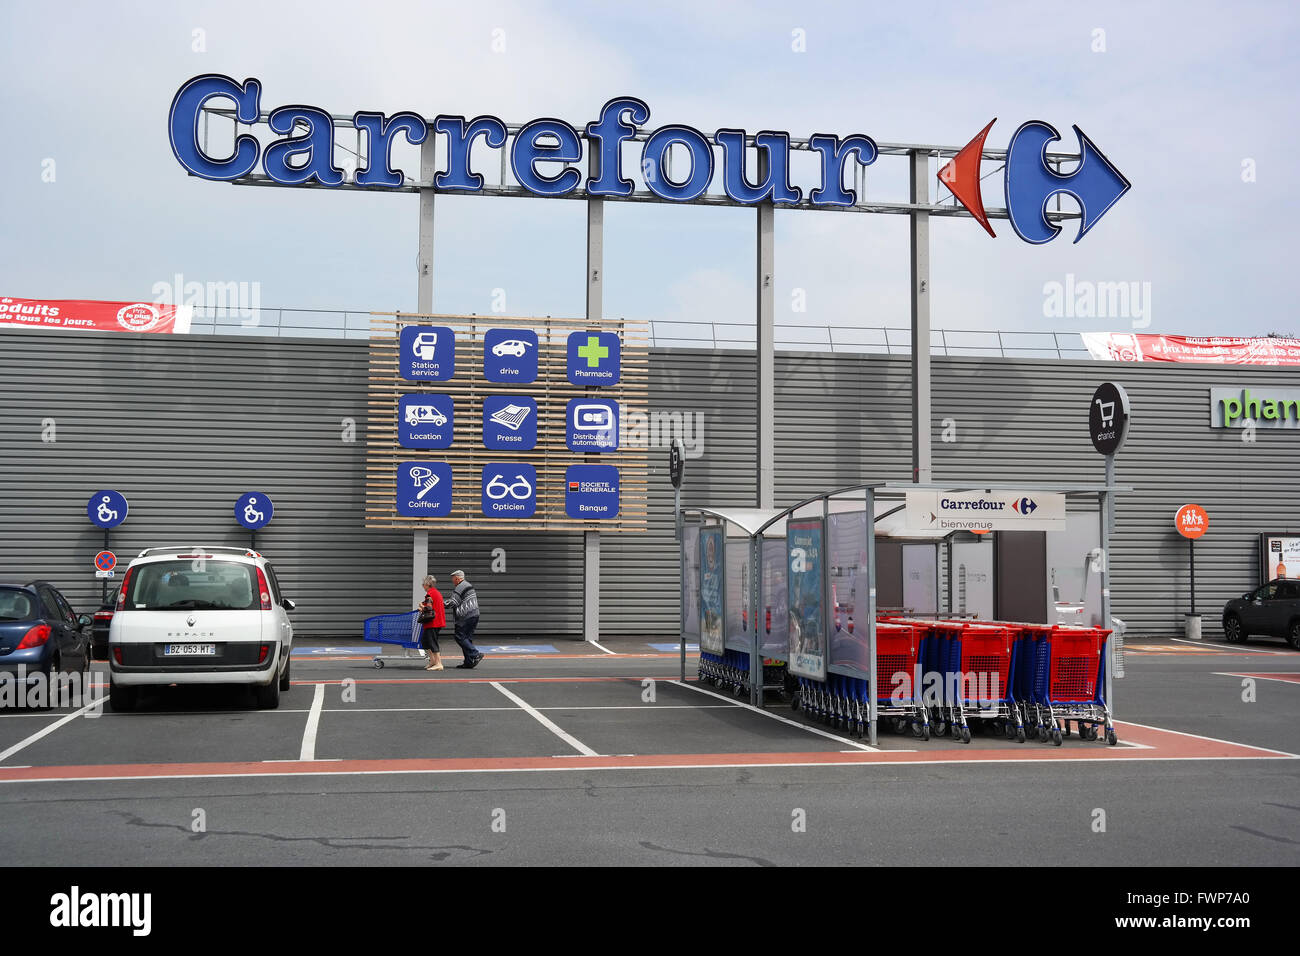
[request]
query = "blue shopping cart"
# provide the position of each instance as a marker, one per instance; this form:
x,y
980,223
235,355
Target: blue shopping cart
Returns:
x,y
400,629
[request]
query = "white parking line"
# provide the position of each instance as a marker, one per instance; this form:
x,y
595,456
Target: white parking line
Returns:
x,y
1215,740
602,647
1234,648
46,731
308,751
546,722
785,720
1277,680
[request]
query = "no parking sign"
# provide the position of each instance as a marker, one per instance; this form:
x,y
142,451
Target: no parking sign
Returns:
x,y
105,562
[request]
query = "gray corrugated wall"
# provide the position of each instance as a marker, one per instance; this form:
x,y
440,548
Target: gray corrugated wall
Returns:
x,y
183,425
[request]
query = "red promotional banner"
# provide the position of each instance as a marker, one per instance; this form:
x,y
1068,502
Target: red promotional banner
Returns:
x,y
95,316
1132,347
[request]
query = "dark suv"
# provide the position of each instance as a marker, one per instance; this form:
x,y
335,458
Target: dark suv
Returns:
x,y
1273,610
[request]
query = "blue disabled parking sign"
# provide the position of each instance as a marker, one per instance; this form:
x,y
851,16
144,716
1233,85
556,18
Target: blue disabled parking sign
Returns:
x,y
509,423
510,355
593,358
427,353
424,489
509,490
591,424
254,510
106,508
591,491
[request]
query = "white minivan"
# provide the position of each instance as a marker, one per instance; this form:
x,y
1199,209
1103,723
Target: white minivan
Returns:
x,y
198,615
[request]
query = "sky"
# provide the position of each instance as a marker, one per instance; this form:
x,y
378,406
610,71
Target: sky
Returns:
x,y
1193,102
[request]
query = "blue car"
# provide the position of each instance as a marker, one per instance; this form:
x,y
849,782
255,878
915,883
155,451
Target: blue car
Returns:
x,y
42,641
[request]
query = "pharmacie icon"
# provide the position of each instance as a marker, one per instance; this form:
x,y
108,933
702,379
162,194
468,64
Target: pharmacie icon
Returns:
x,y
510,355
427,353
509,422
424,489
509,490
594,358
425,420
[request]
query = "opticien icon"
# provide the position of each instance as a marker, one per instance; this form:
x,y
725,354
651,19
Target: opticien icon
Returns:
x,y
545,157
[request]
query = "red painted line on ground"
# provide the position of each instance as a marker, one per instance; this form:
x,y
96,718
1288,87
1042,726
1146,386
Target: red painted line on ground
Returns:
x,y
1286,678
499,657
1163,744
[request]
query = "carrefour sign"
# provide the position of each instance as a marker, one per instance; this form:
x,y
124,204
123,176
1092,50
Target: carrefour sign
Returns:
x,y
545,156
985,511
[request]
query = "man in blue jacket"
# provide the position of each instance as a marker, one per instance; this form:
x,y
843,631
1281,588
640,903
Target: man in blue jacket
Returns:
x,y
464,603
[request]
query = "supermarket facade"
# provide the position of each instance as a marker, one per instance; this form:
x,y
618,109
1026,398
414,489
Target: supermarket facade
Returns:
x,y
362,446
183,425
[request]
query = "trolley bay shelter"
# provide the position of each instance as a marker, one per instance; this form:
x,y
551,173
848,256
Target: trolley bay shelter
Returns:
x,y
183,425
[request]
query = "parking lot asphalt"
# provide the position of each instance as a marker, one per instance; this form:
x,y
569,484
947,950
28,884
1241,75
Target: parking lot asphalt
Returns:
x,y
573,755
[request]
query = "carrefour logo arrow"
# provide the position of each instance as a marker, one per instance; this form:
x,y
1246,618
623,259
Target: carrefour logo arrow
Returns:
x,y
1024,506
1030,183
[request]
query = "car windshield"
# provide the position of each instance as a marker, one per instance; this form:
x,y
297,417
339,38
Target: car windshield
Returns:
x,y
16,605
192,584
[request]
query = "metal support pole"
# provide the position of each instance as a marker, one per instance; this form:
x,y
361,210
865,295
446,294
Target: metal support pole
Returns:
x,y
755,650
681,577
1107,521
920,243
103,587
1191,560
765,356
595,306
424,304
872,692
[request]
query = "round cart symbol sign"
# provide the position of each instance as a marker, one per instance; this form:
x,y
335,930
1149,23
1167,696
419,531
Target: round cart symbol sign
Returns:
x,y
1108,418
1191,521
105,561
106,508
254,510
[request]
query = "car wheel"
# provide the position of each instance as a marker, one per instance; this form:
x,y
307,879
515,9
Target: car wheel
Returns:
x,y
1293,635
284,678
121,699
1232,632
268,695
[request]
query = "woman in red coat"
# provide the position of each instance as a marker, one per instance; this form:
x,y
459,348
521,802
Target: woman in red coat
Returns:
x,y
429,635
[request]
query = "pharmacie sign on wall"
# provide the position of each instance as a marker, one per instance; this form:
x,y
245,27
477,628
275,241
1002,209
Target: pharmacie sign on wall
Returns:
x,y
984,511
546,157
1230,407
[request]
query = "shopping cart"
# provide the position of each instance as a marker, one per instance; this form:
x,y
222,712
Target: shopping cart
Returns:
x,y
400,629
984,682
1071,683
898,652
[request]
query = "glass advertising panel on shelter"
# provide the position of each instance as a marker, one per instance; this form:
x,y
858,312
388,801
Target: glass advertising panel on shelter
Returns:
x,y
805,548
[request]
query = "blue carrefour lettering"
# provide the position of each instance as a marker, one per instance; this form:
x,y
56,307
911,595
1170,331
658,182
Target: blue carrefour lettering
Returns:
x,y
317,143
380,131
653,163
459,140
528,151
774,167
835,152
608,134
183,126
1096,184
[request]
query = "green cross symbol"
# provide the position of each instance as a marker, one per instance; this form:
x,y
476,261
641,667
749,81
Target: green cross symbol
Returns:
x,y
593,351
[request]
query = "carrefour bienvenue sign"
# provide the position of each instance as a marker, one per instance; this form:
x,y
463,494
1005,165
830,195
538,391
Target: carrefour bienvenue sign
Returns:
x,y
546,157
985,511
